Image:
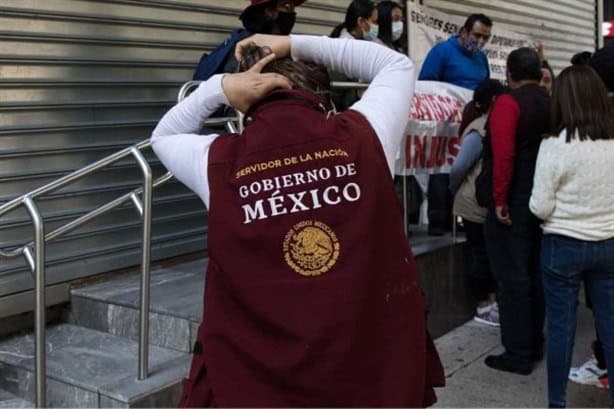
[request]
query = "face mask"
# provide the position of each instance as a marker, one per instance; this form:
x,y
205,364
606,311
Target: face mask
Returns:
x,y
471,46
397,30
285,22
259,23
372,33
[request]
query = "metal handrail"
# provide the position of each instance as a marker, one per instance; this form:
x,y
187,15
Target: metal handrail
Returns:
x,y
189,86
34,251
36,261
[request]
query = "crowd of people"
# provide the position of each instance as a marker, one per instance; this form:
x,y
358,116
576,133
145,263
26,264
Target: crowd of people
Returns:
x,y
312,290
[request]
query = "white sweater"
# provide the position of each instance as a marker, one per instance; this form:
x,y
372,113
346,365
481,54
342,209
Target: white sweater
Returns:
x,y
573,188
385,104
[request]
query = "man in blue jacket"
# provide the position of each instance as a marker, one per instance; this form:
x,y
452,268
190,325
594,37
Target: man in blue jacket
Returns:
x,y
260,17
460,60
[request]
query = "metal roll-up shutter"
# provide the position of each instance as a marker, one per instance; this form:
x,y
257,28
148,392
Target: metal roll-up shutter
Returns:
x,y
81,79
565,27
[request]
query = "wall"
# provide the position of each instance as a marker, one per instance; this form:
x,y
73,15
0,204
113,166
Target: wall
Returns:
x,y
81,79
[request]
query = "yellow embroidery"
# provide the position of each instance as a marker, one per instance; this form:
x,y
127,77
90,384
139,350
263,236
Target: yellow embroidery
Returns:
x,y
311,248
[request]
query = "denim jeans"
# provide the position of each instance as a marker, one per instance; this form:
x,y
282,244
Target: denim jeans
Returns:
x,y
567,262
513,252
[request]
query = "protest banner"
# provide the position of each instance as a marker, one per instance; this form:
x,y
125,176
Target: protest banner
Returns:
x,y
431,141
427,27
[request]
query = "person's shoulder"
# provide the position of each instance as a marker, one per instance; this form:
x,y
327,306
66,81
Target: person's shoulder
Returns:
x,y
555,143
345,34
437,55
446,44
505,100
356,120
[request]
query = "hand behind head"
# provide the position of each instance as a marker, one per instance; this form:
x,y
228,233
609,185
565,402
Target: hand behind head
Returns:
x,y
280,45
245,89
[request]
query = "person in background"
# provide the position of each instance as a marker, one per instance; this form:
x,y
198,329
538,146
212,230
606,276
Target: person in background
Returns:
x,y
602,61
261,16
581,58
572,195
594,371
360,22
464,170
312,295
547,71
391,27
547,77
460,60
516,125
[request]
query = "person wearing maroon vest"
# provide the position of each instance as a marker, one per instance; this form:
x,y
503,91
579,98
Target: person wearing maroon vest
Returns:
x,y
312,295
516,125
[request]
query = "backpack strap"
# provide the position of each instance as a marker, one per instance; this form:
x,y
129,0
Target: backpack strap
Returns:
x,y
213,62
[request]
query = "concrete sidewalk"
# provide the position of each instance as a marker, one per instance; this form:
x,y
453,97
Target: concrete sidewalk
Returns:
x,y
470,383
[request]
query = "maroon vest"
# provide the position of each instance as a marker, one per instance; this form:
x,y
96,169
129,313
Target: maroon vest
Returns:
x,y
311,295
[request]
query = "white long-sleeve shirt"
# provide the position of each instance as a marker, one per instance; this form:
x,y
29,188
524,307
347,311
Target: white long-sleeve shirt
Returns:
x,y
573,188
386,105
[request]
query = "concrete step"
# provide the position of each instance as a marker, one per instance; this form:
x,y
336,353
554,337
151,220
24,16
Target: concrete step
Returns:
x,y
8,400
176,305
87,368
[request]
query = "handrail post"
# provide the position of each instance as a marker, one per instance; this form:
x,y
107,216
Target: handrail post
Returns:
x,y
39,312
145,265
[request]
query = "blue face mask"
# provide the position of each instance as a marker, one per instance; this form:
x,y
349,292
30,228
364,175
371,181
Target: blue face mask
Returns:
x,y
472,46
372,33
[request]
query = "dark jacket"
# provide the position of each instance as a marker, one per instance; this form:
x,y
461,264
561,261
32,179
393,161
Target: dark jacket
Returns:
x,y
533,123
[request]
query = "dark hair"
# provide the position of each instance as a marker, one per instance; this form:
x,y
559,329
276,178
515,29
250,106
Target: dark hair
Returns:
x,y
255,19
603,62
484,93
580,105
547,66
581,58
524,64
384,20
474,18
304,75
356,9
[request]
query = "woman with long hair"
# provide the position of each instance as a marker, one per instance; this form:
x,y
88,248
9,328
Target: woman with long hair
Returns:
x,y
572,193
360,22
390,23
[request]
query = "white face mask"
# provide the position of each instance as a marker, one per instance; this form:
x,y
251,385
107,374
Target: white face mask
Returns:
x,y
372,33
397,30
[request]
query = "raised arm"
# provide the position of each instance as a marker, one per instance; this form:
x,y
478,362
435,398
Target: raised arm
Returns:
x,y
176,140
469,154
387,101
